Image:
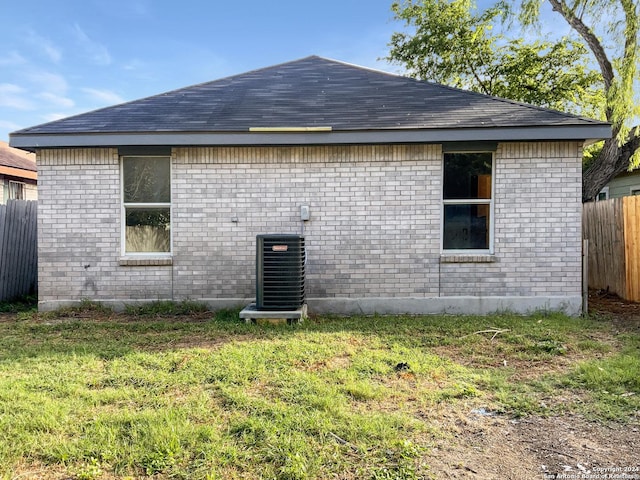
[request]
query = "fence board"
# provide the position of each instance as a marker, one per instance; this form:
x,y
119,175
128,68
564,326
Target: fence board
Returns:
x,y
632,247
603,226
613,230
32,251
18,249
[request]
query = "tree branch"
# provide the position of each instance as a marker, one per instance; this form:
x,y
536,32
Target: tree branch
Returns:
x,y
477,77
631,39
613,160
589,37
632,144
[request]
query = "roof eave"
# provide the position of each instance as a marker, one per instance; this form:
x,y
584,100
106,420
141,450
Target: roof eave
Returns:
x,y
18,172
35,141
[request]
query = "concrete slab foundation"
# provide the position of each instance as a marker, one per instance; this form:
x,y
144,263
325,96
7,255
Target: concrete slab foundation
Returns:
x,y
251,314
522,305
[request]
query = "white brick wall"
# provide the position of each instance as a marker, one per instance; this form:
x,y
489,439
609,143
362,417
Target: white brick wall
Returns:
x,y
374,230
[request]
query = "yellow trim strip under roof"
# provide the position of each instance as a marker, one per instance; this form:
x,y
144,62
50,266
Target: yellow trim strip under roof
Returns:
x,y
289,129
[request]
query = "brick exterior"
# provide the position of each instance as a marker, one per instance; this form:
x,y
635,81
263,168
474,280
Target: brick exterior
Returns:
x,y
374,230
537,226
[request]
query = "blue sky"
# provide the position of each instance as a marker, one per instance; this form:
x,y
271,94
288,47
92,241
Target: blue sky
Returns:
x,y
59,58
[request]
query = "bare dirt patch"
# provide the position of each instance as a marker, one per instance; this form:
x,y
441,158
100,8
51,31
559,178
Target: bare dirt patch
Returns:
x,y
625,315
486,446
477,444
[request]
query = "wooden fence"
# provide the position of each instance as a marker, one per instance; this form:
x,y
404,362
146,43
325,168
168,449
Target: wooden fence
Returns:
x,y
613,230
18,249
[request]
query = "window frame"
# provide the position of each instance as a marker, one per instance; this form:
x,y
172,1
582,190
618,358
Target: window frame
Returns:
x,y
469,201
22,188
123,210
605,191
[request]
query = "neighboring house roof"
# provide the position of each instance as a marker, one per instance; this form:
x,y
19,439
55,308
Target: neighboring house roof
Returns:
x,y
311,100
17,163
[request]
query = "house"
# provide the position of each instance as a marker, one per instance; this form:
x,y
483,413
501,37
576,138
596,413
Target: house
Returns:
x,y
18,174
623,185
421,198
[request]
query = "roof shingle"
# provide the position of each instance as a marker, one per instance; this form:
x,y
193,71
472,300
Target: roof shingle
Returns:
x,y
309,92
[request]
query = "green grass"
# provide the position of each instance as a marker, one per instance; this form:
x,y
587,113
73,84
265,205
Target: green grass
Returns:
x,y
22,304
174,391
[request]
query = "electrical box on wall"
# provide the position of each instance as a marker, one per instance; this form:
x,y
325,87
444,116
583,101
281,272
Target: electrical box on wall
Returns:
x,y
304,213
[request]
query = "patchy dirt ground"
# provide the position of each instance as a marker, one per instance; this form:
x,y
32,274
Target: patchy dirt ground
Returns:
x,y
485,446
492,447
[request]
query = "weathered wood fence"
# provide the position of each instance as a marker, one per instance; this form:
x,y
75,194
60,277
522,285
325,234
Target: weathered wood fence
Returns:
x,y
613,230
18,249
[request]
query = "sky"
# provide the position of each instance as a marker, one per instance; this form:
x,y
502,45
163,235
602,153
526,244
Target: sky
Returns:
x,y
64,57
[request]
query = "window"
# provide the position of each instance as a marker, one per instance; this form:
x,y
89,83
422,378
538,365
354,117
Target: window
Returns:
x,y
467,201
146,204
635,190
16,190
603,194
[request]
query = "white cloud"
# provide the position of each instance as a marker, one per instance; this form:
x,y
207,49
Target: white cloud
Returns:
x,y
8,125
12,59
134,64
103,96
97,52
45,45
48,82
13,96
57,100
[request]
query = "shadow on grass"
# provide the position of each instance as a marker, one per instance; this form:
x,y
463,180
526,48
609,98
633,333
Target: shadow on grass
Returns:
x,y
95,330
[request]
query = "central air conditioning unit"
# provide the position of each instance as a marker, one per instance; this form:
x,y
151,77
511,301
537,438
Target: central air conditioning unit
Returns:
x,y
280,263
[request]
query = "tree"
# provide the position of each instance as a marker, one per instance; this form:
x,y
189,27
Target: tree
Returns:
x,y
453,42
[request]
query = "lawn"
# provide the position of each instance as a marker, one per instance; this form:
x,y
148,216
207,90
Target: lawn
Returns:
x,y
172,391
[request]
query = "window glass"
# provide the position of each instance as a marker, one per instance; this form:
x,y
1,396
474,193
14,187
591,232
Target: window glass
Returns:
x,y
146,179
466,227
467,179
467,175
16,190
148,230
146,186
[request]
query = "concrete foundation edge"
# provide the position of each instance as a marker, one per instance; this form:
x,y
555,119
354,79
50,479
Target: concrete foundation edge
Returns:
x,y
570,305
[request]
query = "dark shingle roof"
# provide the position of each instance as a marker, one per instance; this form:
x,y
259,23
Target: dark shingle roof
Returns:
x,y
309,92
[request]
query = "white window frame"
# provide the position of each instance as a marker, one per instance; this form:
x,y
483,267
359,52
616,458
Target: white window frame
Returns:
x,y
605,190
12,188
478,201
123,211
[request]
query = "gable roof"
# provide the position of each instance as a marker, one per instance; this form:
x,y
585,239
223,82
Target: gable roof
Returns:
x,y
311,100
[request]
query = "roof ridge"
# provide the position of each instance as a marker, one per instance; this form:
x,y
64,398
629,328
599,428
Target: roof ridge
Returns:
x,y
311,91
